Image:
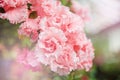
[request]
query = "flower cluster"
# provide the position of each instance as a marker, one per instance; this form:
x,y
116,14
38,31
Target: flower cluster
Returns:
x,y
58,33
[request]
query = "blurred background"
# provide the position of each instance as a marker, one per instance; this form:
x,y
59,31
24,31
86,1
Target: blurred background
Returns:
x,y
103,29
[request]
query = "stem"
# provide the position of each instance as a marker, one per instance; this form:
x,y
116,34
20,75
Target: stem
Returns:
x,y
66,2
71,75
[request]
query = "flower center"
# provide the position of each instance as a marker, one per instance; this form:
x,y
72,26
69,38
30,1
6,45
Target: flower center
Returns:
x,y
50,46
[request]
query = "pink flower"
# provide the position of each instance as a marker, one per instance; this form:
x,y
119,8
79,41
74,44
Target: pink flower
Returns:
x,y
49,44
15,15
61,42
50,39
36,6
50,7
64,20
14,11
79,10
64,52
85,55
75,24
45,7
17,71
30,28
65,61
83,49
15,3
28,59
60,18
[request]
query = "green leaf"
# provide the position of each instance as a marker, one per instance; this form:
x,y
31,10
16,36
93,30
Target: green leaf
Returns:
x,y
57,78
66,3
26,42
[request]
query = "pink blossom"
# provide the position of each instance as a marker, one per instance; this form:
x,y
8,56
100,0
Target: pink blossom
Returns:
x,y
65,61
78,9
45,7
49,44
28,59
15,3
75,24
61,42
50,40
64,20
17,70
83,49
50,7
85,54
30,28
14,11
15,15
36,6
60,18
64,54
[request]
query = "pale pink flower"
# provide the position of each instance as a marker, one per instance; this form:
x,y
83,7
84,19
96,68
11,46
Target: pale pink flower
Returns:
x,y
15,3
83,49
64,20
50,39
65,61
78,9
36,6
28,59
60,18
45,7
15,15
75,24
62,43
30,28
64,52
50,7
14,11
60,40
74,38
49,44
85,54
17,71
